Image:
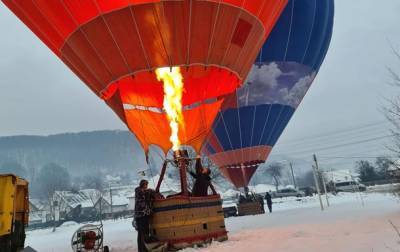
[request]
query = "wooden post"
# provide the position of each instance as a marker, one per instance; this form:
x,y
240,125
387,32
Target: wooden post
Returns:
x,y
182,163
317,184
326,192
320,175
111,202
182,171
294,180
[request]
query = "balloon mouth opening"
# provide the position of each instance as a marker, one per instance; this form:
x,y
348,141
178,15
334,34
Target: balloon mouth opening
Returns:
x,y
180,154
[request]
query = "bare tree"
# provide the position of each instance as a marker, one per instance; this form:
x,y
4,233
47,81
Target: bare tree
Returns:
x,y
51,178
275,171
392,109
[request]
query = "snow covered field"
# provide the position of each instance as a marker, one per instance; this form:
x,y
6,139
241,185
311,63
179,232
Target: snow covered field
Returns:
x,y
351,223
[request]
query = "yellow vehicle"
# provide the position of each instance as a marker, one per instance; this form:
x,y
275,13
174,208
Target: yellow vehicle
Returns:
x,y
14,211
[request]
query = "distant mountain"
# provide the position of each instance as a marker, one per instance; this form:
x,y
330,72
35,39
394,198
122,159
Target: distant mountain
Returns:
x,y
107,151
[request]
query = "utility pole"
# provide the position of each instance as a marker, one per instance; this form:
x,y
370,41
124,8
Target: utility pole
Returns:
x,y
111,202
315,171
317,186
294,180
322,179
326,193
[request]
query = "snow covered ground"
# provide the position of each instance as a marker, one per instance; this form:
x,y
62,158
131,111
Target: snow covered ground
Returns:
x,y
353,222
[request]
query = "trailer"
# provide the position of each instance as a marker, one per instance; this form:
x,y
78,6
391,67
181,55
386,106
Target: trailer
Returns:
x,y
14,212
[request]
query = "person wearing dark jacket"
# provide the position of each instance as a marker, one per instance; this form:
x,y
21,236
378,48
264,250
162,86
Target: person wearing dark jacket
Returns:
x,y
202,180
143,208
268,198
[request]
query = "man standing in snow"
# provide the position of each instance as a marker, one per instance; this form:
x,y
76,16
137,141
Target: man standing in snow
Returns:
x,y
269,201
143,208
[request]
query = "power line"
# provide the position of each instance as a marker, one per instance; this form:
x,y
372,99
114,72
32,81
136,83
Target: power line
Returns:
x,y
326,143
336,137
343,145
357,157
336,132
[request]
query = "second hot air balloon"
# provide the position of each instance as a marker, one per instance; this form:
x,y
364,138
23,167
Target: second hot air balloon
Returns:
x,y
253,117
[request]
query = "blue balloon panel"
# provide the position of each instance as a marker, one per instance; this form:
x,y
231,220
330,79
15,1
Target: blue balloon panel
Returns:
x,y
253,118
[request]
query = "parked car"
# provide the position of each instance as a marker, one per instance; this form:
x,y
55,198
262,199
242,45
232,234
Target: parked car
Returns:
x,y
230,211
308,190
230,208
349,186
288,192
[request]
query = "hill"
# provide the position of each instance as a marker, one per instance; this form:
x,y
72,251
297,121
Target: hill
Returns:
x,y
108,151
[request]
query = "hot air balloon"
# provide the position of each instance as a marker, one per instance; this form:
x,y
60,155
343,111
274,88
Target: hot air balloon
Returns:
x,y
252,118
164,67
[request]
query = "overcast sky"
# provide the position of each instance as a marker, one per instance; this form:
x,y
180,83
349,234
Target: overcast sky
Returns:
x,y
40,95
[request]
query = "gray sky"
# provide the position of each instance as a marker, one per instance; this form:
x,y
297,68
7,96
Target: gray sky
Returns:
x,y
40,95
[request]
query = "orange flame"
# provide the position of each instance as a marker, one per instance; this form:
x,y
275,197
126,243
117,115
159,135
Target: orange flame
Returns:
x,y
173,89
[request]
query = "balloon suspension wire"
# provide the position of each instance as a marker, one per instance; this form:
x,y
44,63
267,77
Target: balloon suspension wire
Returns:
x,y
213,32
136,27
113,37
252,126
233,32
221,118
147,142
290,31
240,131
82,31
189,33
311,33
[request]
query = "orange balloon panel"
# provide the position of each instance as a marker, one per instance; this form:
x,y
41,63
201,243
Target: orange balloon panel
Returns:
x,y
143,95
105,40
114,46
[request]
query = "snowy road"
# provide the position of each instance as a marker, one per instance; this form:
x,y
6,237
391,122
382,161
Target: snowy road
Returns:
x,y
293,226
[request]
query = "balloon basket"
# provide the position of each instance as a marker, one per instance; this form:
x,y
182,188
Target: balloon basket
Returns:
x,y
250,208
184,221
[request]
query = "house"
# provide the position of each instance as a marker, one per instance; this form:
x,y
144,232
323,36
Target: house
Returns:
x,y
394,170
71,205
111,207
343,175
39,211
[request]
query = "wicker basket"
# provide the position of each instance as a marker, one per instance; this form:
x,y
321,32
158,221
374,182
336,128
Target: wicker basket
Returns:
x,y
186,221
250,208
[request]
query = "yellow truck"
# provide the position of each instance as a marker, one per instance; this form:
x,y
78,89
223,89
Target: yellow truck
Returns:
x,y
14,212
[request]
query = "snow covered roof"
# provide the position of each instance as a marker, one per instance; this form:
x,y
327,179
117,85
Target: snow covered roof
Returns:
x,y
231,193
110,178
86,198
341,175
125,191
117,200
35,216
262,188
38,204
395,166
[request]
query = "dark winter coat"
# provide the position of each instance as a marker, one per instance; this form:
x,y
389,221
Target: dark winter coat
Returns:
x,y
268,199
202,181
143,202
201,184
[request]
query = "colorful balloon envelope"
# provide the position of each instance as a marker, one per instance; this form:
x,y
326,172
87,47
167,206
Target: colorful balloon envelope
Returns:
x,y
115,46
253,117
